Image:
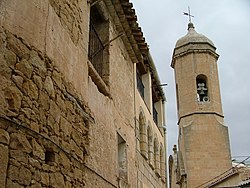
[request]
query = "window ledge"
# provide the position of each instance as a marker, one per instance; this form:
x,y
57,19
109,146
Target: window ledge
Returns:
x,y
102,87
123,183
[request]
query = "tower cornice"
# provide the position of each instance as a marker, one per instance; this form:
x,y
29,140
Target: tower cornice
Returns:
x,y
191,48
199,113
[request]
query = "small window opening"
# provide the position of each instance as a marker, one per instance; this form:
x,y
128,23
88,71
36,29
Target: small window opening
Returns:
x,y
122,158
177,96
155,115
98,40
202,90
140,85
49,156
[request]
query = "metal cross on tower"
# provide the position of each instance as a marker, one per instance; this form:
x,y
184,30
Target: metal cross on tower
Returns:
x,y
188,14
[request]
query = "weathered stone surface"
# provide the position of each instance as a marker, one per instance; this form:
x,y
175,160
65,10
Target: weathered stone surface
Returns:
x,y
3,124
64,161
76,150
77,174
13,172
18,80
30,89
4,158
66,146
34,126
68,184
39,64
60,103
44,101
10,58
49,87
25,175
77,137
57,78
55,111
4,137
26,102
5,70
56,180
46,167
36,185
27,112
38,81
45,178
14,162
25,67
17,46
53,125
65,127
38,151
19,156
35,163
33,91
19,142
70,17
13,97
3,101
37,176
42,116
11,184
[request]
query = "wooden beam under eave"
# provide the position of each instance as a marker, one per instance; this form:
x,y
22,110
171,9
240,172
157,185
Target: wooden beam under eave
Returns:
x,y
127,4
124,1
135,30
132,18
138,36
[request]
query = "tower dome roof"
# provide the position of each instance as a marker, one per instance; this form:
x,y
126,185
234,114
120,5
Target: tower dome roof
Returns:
x,y
193,37
193,42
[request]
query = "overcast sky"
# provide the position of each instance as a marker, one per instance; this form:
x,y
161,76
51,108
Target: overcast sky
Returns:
x,y
227,24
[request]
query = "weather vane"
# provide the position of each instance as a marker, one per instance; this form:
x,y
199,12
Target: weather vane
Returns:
x,y
188,14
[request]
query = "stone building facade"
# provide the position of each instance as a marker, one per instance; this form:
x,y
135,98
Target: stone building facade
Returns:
x,y
80,100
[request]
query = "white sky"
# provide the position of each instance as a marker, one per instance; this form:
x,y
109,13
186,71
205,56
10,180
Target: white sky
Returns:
x,y
227,24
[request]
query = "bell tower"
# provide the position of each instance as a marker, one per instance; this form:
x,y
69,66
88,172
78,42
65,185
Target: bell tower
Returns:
x,y
203,139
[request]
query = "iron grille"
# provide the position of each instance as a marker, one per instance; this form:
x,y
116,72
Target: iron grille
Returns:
x,y
96,49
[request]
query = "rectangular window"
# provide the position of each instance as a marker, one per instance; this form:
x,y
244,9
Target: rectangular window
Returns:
x,y
122,158
140,85
155,115
98,49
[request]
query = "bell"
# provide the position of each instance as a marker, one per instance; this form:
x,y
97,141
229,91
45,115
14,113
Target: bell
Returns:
x,y
202,92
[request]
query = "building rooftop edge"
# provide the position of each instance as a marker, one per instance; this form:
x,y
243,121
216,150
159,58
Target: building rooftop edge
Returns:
x,y
141,48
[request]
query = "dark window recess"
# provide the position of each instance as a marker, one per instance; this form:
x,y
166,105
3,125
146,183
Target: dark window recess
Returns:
x,y
177,96
49,156
155,115
96,50
140,85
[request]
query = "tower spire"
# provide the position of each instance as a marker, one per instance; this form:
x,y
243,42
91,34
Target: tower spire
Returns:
x,y
189,15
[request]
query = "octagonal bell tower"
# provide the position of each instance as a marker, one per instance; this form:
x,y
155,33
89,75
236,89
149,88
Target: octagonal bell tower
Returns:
x,y
203,139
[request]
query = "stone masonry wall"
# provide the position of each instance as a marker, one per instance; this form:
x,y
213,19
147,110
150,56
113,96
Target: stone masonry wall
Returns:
x,y
69,13
43,122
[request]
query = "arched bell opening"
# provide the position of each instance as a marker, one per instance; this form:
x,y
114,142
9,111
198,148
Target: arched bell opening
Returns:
x,y
202,89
